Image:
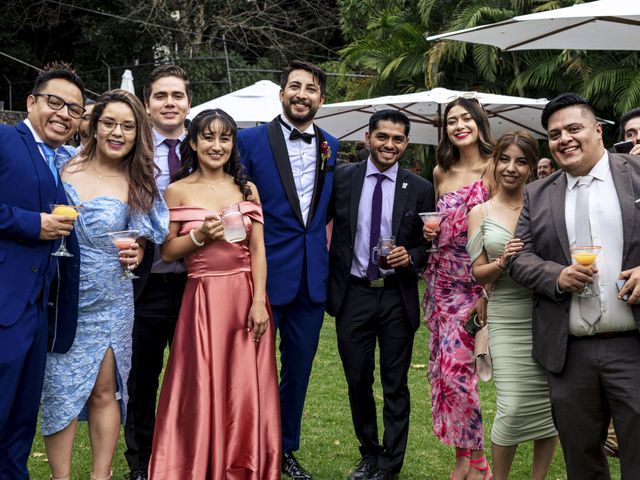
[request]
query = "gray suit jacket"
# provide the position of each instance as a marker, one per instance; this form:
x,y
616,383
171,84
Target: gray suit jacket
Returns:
x,y
543,230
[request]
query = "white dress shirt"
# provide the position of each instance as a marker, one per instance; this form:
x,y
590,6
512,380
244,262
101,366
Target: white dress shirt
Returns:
x,y
605,218
303,157
38,140
161,159
362,249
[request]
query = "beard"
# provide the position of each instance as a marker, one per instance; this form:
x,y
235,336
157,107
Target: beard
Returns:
x,y
297,118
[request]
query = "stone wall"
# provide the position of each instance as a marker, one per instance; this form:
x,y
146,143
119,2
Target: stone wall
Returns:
x,y
10,117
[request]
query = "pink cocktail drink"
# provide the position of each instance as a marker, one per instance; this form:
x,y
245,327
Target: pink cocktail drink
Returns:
x,y
433,223
123,243
432,220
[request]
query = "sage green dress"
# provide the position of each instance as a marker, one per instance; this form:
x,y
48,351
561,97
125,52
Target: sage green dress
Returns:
x,y
523,408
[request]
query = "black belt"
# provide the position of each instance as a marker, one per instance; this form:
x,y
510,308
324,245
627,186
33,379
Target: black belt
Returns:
x,y
606,335
388,281
168,277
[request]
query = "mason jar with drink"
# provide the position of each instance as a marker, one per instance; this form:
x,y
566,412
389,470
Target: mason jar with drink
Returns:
x,y
233,224
386,243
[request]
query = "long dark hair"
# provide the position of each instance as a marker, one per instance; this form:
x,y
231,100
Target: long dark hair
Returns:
x,y
525,142
447,154
190,163
137,166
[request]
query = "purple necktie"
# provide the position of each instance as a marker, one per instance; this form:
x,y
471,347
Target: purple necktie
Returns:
x,y
374,232
173,158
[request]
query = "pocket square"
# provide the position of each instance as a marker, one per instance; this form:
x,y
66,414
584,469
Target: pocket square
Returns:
x,y
637,201
409,213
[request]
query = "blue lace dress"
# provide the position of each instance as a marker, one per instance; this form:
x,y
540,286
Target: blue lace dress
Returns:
x,y
105,315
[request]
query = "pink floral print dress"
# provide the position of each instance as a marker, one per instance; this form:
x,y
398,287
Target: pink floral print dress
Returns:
x,y
451,293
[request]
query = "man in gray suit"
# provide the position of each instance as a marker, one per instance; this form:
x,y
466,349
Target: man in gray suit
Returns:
x,y
589,346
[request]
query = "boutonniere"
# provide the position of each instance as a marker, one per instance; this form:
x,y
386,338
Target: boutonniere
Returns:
x,y
325,154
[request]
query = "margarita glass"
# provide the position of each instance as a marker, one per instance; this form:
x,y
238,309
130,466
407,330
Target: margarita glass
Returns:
x,y
586,256
432,220
67,211
123,240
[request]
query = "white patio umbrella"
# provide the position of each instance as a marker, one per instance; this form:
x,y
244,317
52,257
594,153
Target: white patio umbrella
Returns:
x,y
248,106
349,120
599,25
127,82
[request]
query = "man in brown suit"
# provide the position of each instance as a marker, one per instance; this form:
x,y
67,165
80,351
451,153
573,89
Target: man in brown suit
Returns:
x,y
589,346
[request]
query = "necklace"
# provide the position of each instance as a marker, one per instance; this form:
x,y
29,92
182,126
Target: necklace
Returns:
x,y
213,187
510,207
102,175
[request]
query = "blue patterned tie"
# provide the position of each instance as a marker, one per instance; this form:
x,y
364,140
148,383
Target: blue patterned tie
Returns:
x,y
50,157
374,232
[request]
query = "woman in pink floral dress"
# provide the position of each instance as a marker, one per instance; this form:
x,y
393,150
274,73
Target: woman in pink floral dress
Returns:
x,y
462,179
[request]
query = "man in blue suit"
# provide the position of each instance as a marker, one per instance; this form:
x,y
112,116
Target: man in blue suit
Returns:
x,y
29,184
291,161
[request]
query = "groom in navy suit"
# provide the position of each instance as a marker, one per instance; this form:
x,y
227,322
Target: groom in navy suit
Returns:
x,y
29,184
291,161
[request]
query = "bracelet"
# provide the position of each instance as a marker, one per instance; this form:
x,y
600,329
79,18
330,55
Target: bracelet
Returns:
x,y
498,265
195,240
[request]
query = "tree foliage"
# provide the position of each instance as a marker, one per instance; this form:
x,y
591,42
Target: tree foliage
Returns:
x,y
97,37
394,51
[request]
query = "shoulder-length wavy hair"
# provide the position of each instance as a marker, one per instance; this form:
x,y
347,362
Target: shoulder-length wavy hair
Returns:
x,y
447,154
203,122
137,166
525,142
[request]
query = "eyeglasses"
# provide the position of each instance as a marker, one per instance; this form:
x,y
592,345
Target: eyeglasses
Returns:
x,y
109,126
56,103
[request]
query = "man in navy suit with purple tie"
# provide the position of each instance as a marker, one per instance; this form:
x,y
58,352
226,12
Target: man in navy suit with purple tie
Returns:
x,y
29,184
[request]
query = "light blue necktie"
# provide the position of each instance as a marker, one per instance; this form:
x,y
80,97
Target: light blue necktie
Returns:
x,y
50,157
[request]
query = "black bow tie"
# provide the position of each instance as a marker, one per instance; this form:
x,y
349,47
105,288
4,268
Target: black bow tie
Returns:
x,y
296,134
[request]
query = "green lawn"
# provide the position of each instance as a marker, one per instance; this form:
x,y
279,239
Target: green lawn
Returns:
x,y
329,447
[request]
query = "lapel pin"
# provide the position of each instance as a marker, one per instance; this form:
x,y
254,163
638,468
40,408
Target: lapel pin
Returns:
x,y
404,186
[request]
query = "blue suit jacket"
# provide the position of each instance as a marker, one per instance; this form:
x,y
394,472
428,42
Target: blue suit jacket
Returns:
x,y
27,268
288,241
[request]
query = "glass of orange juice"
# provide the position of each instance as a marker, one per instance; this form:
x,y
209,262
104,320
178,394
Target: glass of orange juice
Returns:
x,y
432,220
122,240
67,211
586,255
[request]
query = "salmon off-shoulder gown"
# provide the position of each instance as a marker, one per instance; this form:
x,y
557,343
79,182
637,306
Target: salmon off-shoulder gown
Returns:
x,y
218,415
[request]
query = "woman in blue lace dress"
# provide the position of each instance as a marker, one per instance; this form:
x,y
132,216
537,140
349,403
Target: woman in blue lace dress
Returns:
x,y
112,180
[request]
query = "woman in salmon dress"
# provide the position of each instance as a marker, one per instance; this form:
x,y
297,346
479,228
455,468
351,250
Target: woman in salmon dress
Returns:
x,y
218,415
462,179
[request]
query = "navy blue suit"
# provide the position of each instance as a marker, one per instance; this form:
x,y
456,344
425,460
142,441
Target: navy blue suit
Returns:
x,y
27,270
297,258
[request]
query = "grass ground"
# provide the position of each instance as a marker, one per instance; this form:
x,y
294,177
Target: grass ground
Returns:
x,y
329,448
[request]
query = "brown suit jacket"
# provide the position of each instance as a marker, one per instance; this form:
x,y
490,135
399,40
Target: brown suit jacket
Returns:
x,y
543,230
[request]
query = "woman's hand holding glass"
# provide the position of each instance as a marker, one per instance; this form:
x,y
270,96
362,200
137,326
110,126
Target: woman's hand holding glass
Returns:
x,y
430,232
212,228
258,320
131,257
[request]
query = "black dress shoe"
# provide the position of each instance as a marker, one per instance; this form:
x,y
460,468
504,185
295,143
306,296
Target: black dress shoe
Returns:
x,y
292,469
383,474
138,475
364,468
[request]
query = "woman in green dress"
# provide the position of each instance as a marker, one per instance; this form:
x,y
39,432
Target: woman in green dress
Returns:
x,y
523,408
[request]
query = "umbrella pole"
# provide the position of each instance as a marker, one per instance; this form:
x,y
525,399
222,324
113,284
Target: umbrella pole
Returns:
x,y
439,126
